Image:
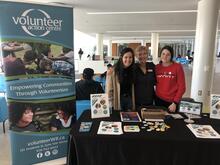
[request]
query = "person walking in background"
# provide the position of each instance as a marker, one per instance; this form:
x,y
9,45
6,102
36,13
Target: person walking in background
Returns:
x,y
87,85
170,85
145,79
80,53
120,82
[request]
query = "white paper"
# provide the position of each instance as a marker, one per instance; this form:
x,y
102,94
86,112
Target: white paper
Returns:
x,y
203,131
110,128
99,105
159,120
215,106
195,116
176,116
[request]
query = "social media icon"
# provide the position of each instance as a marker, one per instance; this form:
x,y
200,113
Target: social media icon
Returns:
x,y
47,153
55,151
39,155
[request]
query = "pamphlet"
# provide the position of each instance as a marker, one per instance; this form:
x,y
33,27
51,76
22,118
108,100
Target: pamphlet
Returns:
x,y
99,105
130,117
215,106
203,131
110,128
131,128
85,126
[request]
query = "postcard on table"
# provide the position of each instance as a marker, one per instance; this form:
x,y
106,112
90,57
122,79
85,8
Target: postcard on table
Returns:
x,y
130,117
131,128
99,105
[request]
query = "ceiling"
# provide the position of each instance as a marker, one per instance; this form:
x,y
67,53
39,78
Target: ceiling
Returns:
x,y
176,24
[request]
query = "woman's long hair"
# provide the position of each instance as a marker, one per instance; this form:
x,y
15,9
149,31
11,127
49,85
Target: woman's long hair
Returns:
x,y
119,66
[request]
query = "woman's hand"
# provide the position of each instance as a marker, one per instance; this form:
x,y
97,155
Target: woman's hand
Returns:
x,y
172,107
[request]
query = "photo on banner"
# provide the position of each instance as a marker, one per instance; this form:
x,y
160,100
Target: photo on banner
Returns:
x,y
38,64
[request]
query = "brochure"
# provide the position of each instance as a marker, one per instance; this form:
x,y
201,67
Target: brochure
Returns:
x,y
203,131
110,128
99,105
131,128
130,117
85,126
215,106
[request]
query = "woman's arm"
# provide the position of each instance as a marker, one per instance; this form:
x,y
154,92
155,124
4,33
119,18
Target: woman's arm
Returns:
x,y
181,84
109,87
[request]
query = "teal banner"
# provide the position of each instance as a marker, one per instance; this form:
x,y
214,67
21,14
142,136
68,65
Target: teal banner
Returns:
x,y
37,23
38,147
38,65
40,88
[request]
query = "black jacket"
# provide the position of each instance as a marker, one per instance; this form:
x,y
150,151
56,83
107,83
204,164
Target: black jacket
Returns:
x,y
86,87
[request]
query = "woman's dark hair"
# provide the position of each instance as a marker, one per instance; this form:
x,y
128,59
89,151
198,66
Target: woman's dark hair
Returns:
x,y
170,49
46,51
119,66
16,111
66,107
29,56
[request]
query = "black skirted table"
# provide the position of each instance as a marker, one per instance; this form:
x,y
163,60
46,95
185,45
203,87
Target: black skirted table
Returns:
x,y
176,146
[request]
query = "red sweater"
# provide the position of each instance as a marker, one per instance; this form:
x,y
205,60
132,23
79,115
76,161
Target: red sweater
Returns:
x,y
170,84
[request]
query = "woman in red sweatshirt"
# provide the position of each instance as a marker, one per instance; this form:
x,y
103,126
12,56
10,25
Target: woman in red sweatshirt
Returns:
x,y
170,85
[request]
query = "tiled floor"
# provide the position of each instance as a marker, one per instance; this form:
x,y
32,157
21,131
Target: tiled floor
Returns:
x,y
4,146
5,158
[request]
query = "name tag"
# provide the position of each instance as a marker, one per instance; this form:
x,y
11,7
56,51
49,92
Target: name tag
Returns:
x,y
150,70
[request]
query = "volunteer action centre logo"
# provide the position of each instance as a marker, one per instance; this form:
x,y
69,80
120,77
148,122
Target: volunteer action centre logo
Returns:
x,y
40,26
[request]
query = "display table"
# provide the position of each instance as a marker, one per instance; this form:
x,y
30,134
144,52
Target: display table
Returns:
x,y
176,146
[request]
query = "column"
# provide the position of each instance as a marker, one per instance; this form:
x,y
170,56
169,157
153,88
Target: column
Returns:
x,y
143,42
109,47
218,49
154,47
205,48
99,45
192,45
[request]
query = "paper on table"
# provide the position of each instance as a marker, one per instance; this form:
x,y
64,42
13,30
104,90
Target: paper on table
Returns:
x,y
110,128
176,116
203,131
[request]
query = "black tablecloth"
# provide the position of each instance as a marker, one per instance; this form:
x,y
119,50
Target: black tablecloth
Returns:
x,y
176,146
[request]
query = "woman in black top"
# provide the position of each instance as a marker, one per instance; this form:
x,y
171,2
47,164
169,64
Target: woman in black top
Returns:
x,y
144,79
